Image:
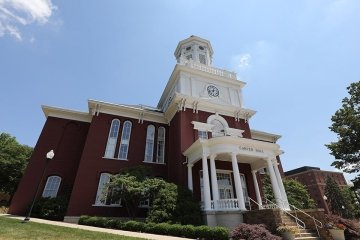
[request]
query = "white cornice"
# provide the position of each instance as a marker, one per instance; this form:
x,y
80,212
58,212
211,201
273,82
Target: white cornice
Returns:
x,y
221,145
66,114
183,102
264,136
137,112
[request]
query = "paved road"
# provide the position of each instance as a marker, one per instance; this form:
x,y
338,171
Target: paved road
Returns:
x,y
96,229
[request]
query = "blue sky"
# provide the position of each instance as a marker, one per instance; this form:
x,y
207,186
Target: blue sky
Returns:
x,y
297,58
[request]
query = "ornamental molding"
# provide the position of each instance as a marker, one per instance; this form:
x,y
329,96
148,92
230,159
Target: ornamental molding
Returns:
x,y
140,112
182,102
66,114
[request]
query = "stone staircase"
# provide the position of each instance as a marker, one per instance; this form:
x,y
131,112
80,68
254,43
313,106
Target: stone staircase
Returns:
x,y
305,234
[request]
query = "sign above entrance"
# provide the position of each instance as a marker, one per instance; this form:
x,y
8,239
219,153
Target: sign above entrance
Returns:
x,y
250,149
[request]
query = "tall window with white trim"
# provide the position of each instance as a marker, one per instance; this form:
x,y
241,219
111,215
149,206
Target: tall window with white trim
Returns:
x,y
112,139
202,134
125,139
160,145
106,196
149,148
225,185
51,187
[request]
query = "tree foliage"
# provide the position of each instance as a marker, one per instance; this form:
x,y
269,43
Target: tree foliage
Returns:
x,y
346,124
296,192
298,195
338,200
168,202
13,160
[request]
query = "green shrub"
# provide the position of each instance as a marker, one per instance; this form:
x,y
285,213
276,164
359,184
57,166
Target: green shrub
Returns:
x,y
50,208
188,231
220,233
134,226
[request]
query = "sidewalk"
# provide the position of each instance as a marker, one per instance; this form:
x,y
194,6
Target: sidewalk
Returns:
x,y
96,229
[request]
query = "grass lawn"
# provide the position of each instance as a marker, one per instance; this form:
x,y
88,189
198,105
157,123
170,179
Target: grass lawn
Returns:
x,y
15,229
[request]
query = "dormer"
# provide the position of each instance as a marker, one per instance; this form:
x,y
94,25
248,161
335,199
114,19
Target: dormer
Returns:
x,y
194,49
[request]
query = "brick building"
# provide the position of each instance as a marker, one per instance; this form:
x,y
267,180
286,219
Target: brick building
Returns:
x,y
198,136
314,179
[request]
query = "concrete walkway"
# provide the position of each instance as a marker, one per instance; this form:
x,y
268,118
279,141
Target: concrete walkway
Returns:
x,y
96,229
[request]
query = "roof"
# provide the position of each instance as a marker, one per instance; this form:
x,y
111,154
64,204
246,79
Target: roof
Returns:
x,y
300,169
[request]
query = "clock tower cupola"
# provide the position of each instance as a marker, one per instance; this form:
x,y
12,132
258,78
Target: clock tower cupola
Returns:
x,y
194,49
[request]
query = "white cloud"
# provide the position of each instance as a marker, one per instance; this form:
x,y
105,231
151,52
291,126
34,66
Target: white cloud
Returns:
x,y
241,61
17,13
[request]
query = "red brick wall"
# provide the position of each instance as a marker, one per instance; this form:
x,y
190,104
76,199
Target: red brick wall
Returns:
x,y
92,163
66,138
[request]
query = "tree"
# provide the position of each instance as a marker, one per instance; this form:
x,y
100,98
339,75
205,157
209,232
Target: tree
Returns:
x,y
167,201
130,187
346,124
13,160
335,198
298,195
296,192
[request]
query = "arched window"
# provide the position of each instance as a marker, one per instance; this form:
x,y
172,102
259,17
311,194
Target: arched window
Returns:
x,y
113,135
149,148
220,125
51,187
125,139
105,195
160,145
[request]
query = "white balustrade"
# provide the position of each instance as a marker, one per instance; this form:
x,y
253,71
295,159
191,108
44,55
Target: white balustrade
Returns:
x,y
209,69
228,204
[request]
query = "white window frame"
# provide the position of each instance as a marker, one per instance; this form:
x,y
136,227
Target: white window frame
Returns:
x,y
202,134
125,140
149,147
226,187
160,153
202,58
112,139
51,187
230,173
224,125
102,192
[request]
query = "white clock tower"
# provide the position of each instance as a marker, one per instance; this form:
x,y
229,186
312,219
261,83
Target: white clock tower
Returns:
x,y
196,84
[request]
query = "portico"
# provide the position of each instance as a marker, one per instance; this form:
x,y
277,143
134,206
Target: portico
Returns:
x,y
234,149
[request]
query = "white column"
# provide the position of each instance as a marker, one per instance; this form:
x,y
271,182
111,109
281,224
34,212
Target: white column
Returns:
x,y
238,187
206,184
190,180
257,191
214,183
274,182
281,185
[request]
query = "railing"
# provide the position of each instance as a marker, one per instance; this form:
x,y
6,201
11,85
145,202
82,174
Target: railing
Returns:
x,y
224,204
228,204
317,223
299,223
209,69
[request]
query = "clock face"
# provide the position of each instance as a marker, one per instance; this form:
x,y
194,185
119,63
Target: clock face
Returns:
x,y
212,91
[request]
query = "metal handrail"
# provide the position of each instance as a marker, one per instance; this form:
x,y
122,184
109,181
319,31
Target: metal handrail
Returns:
x,y
317,223
297,220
